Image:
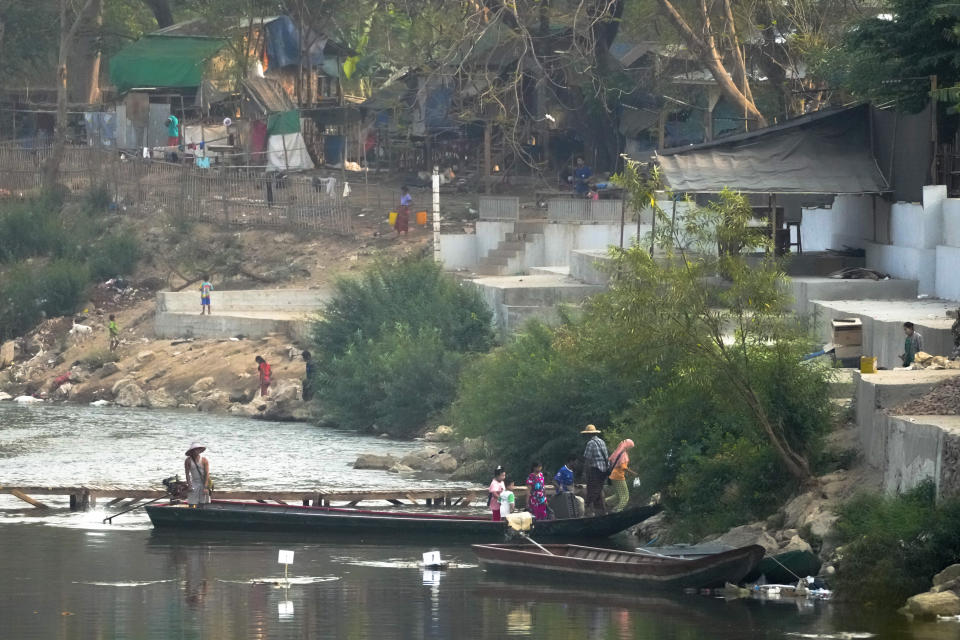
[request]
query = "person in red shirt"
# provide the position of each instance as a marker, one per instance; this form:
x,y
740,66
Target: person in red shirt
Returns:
x,y
264,370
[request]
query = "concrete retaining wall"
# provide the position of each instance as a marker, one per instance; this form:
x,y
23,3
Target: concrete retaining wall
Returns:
x,y
806,289
907,449
906,263
585,266
459,251
947,283
848,222
562,238
251,313
267,300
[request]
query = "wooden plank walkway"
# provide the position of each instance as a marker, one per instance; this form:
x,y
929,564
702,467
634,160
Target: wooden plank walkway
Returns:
x,y
83,497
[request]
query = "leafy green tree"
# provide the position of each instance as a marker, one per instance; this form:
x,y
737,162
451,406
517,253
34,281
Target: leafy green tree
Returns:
x,y
390,344
890,55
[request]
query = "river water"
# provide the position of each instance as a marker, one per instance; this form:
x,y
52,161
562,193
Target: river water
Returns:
x,y
66,575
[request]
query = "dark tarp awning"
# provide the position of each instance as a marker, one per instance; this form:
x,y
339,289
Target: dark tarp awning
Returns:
x,y
825,152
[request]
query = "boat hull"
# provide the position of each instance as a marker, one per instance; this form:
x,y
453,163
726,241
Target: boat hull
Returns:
x,y
616,568
243,516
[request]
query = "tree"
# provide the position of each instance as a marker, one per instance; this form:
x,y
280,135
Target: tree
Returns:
x,y
891,55
677,298
719,49
70,21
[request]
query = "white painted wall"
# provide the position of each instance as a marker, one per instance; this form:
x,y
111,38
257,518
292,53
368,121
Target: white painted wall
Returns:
x,y
561,239
458,251
905,262
489,235
951,222
849,222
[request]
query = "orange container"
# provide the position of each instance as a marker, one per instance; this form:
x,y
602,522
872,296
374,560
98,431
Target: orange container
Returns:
x,y
421,217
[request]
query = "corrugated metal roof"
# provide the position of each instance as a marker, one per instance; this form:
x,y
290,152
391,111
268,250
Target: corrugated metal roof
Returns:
x,y
268,94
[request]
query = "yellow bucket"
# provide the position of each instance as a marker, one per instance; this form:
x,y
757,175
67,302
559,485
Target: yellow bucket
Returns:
x,y
421,217
868,364
393,218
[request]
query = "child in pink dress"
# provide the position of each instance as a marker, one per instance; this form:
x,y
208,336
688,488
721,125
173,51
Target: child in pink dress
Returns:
x,y
496,488
536,499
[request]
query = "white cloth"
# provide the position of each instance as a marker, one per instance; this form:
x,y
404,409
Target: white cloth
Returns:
x,y
286,152
506,503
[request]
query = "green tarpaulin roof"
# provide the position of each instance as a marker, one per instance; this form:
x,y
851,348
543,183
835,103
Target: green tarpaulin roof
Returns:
x,y
280,124
163,61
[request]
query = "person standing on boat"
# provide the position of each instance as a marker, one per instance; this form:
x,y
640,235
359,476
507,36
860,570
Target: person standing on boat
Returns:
x,y
496,488
563,480
536,498
197,470
618,464
596,467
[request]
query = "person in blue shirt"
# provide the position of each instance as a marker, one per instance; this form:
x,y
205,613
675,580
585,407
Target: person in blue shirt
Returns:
x,y
580,176
563,480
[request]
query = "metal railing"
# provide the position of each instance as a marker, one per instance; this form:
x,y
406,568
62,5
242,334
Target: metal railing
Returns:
x,y
499,208
577,210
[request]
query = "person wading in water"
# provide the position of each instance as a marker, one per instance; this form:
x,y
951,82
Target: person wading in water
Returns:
x,y
197,470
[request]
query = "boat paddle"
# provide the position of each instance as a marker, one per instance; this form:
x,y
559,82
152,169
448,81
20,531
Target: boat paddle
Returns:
x,y
175,488
109,519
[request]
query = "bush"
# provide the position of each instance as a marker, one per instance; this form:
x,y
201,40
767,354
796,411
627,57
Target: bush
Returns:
x,y
116,255
397,382
29,293
30,228
390,345
893,545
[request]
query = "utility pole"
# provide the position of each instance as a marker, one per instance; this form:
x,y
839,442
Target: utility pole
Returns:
x,y
436,214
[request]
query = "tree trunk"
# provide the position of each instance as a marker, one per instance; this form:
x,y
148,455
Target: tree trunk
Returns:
x,y
161,12
68,31
707,51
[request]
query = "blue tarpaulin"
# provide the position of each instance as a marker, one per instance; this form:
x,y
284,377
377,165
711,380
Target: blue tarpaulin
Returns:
x,y
283,44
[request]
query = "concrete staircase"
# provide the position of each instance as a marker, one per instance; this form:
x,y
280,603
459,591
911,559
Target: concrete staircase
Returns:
x,y
508,257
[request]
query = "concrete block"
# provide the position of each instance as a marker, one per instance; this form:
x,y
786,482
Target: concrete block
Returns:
x,y
458,251
587,266
906,449
883,325
907,263
805,289
259,300
951,222
948,268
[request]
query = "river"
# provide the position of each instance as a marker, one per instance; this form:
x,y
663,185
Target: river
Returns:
x,y
68,576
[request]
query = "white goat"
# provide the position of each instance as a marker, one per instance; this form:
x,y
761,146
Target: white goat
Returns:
x,y
80,332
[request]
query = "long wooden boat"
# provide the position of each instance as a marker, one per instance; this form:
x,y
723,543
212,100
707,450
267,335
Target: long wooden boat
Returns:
x,y
611,567
255,516
780,568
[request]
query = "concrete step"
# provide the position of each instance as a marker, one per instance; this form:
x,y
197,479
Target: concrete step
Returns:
x,y
494,261
489,269
503,253
512,245
529,226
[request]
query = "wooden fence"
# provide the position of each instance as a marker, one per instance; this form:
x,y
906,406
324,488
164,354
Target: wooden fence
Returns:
x,y
222,195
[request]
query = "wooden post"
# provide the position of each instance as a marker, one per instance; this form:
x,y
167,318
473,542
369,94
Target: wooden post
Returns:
x,y
487,155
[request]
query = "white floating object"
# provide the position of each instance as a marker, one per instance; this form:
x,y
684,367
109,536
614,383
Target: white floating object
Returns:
x,y
27,399
285,609
285,557
100,403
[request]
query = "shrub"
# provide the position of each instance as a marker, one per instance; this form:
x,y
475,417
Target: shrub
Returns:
x,y
390,345
29,228
530,398
116,255
893,545
28,293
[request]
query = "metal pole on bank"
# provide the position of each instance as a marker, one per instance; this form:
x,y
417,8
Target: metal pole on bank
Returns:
x,y
436,214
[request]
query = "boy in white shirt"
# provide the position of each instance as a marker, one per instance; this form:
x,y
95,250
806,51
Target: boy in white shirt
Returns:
x,y
507,500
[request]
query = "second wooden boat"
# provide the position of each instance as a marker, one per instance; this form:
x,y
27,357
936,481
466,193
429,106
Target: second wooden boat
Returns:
x,y
578,563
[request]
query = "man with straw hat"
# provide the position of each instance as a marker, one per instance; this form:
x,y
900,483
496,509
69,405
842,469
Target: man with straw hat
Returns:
x,y
596,467
197,470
